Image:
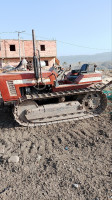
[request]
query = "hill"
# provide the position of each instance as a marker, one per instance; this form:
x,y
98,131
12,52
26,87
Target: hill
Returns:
x,y
103,60
100,57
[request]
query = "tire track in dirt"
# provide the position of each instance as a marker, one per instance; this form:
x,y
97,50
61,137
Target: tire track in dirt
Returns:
x,y
49,171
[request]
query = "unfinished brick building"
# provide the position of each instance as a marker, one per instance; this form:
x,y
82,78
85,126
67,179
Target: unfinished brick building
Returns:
x,y
10,52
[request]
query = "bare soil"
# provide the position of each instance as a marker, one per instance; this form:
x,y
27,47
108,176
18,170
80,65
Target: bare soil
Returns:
x,y
67,161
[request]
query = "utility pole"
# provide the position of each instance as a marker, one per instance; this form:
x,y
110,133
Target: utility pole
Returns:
x,y
1,52
19,43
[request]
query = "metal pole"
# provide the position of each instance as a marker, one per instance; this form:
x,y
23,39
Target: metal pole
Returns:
x,y
19,46
19,43
1,48
35,60
34,47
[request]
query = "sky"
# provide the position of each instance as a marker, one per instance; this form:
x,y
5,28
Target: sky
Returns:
x,y
80,27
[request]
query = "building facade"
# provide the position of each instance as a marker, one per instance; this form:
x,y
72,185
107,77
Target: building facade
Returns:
x,y
11,51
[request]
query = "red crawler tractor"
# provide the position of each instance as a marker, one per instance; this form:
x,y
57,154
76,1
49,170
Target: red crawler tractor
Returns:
x,y
49,97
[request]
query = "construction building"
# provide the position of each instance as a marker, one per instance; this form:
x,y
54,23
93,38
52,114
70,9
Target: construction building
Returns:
x,y
12,51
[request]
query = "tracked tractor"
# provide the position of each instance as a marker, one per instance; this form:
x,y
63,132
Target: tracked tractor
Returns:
x,y
44,97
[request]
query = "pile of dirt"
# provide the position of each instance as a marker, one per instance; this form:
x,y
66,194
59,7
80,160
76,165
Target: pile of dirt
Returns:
x,y
68,161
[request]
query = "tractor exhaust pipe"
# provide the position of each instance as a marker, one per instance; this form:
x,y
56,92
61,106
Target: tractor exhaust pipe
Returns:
x,y
35,59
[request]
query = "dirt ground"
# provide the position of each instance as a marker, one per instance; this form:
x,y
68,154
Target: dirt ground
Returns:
x,y
68,161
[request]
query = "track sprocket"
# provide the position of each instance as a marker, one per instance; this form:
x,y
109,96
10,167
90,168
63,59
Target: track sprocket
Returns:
x,y
95,102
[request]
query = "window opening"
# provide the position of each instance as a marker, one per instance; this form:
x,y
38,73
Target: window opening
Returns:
x,y
12,47
46,63
42,47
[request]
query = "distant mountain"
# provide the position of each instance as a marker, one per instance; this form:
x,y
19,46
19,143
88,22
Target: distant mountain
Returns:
x,y
100,57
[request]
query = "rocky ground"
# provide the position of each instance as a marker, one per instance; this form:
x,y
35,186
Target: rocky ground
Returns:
x,y
68,161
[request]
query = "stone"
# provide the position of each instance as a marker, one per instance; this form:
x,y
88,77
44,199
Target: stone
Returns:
x,y
75,185
78,169
2,148
13,159
39,158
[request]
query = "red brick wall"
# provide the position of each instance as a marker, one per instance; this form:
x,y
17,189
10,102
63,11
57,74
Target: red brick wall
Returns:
x,y
10,61
26,48
5,49
50,48
51,61
15,61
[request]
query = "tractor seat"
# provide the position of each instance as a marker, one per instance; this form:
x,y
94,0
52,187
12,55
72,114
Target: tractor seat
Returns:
x,y
84,68
87,68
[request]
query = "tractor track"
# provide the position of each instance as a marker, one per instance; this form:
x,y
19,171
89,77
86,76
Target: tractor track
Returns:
x,y
61,118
